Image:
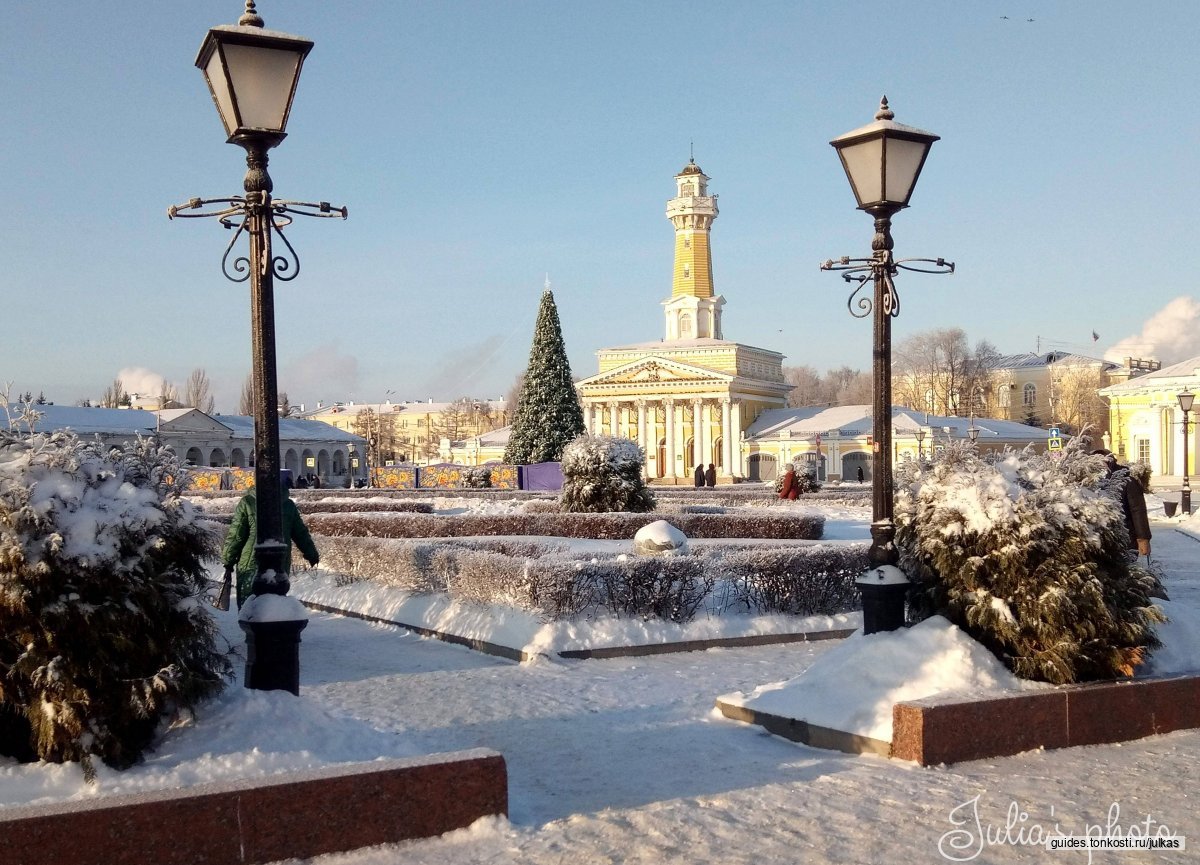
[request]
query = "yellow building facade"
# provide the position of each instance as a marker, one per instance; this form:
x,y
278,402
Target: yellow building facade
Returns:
x,y
688,399
1146,422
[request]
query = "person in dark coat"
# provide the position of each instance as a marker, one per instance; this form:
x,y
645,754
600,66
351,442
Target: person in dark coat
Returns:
x,y
789,489
699,475
710,476
242,536
860,474
1125,488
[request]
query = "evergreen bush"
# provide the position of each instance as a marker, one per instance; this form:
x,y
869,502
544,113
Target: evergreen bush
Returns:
x,y
603,474
1025,552
103,629
806,479
477,478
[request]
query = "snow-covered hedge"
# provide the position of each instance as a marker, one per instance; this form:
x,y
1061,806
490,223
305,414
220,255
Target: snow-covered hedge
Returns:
x,y
102,628
1028,555
784,523
548,580
603,474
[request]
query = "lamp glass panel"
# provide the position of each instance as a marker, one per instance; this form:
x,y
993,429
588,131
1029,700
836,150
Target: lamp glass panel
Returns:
x,y
262,79
864,166
1185,400
214,71
903,163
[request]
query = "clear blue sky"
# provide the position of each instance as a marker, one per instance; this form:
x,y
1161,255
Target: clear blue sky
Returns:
x,y
480,146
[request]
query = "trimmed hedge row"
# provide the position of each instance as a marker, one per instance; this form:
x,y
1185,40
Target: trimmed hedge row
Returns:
x,y
794,525
352,507
557,585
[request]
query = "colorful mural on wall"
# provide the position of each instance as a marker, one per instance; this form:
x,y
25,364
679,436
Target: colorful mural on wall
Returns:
x,y
442,476
394,477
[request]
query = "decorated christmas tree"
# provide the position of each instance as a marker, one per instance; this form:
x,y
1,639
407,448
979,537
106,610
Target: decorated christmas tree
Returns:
x,y
103,629
548,414
1027,553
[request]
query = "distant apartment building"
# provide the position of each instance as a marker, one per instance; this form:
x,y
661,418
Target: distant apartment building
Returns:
x,y
404,432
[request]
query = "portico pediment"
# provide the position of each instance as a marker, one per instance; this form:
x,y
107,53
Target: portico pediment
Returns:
x,y
655,371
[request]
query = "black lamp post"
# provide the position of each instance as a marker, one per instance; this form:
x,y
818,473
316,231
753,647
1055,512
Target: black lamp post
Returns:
x,y
920,441
252,74
351,465
882,161
1185,497
973,434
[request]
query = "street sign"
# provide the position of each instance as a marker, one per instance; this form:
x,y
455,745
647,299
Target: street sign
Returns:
x,y
1055,433
1056,444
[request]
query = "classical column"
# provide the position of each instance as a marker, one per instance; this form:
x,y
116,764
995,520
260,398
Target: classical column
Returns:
x,y
726,438
698,432
587,417
735,432
641,425
614,418
669,412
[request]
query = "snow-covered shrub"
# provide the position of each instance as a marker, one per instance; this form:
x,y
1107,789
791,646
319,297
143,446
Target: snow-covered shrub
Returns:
x,y
103,628
806,479
1028,555
1140,472
477,478
602,474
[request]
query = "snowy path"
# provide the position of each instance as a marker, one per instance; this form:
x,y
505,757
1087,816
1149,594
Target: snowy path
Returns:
x,y
625,761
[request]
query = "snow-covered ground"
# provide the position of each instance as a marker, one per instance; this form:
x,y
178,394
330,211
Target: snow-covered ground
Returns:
x,y
626,760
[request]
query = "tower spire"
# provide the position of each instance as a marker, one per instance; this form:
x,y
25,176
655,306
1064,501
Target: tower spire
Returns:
x,y
694,310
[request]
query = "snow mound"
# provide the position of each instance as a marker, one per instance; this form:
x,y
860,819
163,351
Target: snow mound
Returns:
x,y
853,686
659,537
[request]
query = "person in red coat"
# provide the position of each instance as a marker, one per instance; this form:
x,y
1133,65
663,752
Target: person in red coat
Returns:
x,y
789,489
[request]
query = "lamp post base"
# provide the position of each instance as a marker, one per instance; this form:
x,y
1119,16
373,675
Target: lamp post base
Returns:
x,y
273,655
883,591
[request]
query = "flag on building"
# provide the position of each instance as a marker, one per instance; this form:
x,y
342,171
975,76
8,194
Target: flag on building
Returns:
x,y
1095,336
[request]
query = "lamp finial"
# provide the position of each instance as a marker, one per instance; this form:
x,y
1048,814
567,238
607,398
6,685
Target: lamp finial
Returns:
x,y
250,18
884,113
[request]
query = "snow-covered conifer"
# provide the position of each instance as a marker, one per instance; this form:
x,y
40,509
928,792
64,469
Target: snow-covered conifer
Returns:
x,y
602,474
1028,555
102,627
548,414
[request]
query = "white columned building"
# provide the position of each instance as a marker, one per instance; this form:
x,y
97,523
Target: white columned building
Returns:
x,y
664,394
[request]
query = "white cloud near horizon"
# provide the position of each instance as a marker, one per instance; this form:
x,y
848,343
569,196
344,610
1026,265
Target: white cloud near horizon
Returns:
x,y
142,381
321,373
1170,335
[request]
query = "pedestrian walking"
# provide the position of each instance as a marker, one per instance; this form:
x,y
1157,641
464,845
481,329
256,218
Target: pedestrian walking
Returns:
x,y
699,476
238,552
710,476
1125,488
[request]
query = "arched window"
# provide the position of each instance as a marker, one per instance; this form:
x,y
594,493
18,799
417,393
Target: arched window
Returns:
x,y
1029,394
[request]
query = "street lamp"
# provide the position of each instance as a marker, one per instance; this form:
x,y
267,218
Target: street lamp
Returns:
x,y
1185,497
920,441
351,465
882,161
973,434
252,74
